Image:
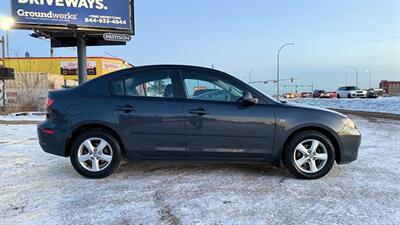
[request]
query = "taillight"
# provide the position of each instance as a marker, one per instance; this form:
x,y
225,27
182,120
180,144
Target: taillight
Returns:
x,y
49,102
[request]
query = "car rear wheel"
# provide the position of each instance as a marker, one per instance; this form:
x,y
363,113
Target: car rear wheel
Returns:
x,y
309,155
95,154
337,96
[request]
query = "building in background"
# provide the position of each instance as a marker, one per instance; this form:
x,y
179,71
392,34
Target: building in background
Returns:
x,y
35,76
390,87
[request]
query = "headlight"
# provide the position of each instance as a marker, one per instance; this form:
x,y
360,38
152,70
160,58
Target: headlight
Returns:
x,y
348,122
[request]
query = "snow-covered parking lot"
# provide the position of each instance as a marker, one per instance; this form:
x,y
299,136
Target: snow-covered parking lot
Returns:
x,y
38,188
381,104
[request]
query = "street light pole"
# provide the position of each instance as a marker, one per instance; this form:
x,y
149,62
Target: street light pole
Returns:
x,y
369,79
3,50
312,83
277,69
355,69
8,43
251,71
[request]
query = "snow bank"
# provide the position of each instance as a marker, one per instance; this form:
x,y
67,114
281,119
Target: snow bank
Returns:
x,y
24,116
383,104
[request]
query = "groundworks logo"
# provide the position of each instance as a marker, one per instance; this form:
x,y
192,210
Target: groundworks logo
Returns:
x,y
47,15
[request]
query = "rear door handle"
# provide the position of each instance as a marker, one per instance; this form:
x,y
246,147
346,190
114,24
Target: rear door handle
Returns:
x,y
198,111
126,108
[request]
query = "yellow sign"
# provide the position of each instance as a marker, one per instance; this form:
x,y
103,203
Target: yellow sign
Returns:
x,y
66,66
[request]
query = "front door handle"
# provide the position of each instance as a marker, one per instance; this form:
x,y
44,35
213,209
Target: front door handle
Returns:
x,y
126,108
198,111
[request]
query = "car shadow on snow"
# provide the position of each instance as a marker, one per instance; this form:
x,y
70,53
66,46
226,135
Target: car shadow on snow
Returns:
x,y
135,168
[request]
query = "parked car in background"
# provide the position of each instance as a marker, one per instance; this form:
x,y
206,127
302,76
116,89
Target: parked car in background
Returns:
x,y
371,93
172,112
328,95
351,92
306,94
317,93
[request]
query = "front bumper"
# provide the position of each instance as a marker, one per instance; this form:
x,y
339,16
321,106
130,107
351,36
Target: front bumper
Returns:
x,y
359,95
350,139
52,143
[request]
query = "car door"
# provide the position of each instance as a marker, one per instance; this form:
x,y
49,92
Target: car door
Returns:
x,y
217,125
148,113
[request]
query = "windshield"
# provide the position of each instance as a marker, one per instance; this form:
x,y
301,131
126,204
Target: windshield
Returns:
x,y
352,88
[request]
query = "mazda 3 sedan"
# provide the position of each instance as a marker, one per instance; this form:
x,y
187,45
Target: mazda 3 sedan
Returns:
x,y
173,112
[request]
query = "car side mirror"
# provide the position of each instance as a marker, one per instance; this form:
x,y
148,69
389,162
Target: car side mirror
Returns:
x,y
248,99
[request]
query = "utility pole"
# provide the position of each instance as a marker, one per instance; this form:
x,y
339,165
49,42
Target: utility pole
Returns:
x,y
277,69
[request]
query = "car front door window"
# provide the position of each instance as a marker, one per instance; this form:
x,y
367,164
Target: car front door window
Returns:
x,y
203,86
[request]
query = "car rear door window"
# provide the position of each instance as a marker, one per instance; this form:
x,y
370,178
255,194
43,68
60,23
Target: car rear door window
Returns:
x,y
117,88
146,84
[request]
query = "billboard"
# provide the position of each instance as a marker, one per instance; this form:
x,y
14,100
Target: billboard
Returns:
x,y
103,15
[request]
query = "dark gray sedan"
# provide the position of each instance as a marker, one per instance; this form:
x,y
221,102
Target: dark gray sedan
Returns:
x,y
171,112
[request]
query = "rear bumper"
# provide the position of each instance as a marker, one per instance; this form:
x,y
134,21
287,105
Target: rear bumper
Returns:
x,y
52,143
350,139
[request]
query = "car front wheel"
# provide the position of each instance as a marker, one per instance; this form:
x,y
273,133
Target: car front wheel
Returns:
x,y
95,154
309,155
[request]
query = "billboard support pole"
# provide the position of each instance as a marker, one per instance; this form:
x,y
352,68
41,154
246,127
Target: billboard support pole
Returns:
x,y
82,64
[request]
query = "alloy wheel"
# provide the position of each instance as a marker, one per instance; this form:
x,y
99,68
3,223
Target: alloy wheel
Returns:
x,y
310,156
95,154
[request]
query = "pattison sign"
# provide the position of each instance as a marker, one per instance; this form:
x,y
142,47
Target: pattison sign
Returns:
x,y
86,14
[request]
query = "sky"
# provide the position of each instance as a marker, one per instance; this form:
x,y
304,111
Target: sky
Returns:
x,y
236,36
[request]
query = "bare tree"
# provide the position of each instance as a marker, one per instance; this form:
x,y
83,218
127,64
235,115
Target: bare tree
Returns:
x,y
30,86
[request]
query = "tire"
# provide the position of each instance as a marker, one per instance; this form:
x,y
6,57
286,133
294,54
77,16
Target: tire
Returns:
x,y
108,157
292,159
348,95
337,96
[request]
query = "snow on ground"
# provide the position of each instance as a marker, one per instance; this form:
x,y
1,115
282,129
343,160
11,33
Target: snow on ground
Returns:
x,y
39,188
24,116
382,104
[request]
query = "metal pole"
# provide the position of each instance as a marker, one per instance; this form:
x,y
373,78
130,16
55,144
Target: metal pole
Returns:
x,y
8,43
251,71
369,80
312,83
82,66
3,51
277,69
355,70
3,95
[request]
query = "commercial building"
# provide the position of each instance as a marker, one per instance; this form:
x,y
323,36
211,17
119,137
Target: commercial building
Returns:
x,y
35,76
390,87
